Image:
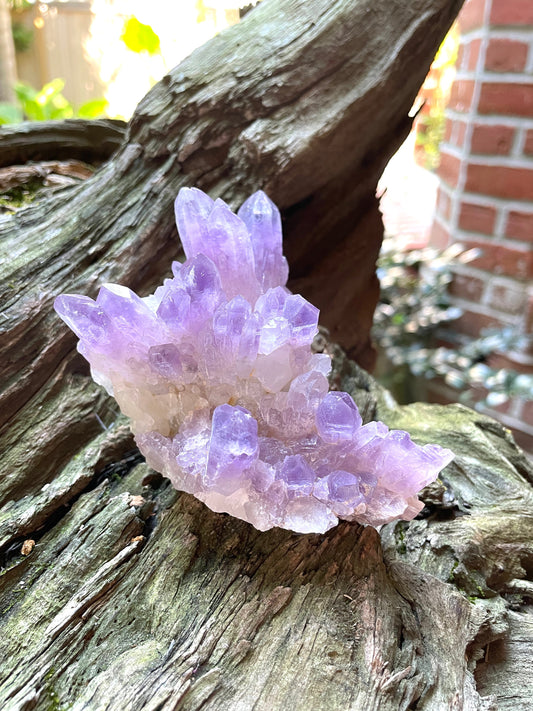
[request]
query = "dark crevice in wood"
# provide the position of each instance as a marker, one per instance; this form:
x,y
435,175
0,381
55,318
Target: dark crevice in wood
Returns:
x,y
166,605
89,141
113,471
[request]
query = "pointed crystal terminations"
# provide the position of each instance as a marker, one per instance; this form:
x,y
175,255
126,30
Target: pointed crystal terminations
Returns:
x,y
226,398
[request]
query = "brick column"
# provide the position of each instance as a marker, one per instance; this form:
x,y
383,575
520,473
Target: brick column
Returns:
x,y
485,197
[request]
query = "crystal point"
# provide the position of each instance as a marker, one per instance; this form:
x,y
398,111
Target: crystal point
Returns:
x,y
233,447
227,399
337,417
263,221
192,208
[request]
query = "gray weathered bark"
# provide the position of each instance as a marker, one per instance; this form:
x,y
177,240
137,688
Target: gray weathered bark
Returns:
x,y
119,593
138,597
91,141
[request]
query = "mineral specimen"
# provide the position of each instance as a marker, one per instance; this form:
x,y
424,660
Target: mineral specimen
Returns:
x,y
215,370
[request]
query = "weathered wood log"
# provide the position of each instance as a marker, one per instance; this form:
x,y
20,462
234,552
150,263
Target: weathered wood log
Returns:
x,y
138,597
119,593
51,173
78,139
305,99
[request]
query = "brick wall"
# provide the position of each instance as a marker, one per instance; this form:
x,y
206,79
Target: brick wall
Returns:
x,y
485,196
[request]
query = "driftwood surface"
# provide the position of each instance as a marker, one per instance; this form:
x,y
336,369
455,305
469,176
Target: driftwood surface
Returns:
x,y
119,593
138,597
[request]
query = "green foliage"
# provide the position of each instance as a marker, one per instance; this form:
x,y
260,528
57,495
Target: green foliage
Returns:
x,y
429,135
415,305
95,108
19,196
9,113
47,104
19,5
139,37
430,126
22,36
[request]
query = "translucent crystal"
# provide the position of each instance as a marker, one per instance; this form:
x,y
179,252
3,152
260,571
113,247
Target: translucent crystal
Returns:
x,y
263,222
226,398
233,448
337,417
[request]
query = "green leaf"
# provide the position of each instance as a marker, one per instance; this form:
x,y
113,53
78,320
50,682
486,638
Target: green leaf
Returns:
x,y
60,111
53,88
48,103
139,37
25,92
93,109
22,36
10,114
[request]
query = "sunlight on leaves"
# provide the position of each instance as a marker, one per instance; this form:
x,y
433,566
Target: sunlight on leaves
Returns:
x,y
139,37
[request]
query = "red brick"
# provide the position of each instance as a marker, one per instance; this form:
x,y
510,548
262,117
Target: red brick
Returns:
x,y
510,299
500,181
467,287
499,360
439,393
527,415
492,140
477,218
473,323
440,237
511,12
506,55
461,55
449,168
527,412
479,393
528,146
523,439
444,203
471,15
520,226
506,98
473,55
448,128
461,94
529,316
501,259
454,132
460,133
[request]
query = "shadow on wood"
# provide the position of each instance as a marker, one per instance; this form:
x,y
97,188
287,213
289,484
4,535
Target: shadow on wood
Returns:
x,y
130,595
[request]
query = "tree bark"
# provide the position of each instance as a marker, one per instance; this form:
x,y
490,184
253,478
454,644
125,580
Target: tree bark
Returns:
x,y
135,596
307,100
119,593
92,141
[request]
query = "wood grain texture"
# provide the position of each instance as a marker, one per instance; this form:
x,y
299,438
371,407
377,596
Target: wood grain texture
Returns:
x,y
138,597
135,596
60,140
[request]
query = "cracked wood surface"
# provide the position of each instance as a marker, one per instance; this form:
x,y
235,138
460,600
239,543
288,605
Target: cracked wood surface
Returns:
x,y
118,593
60,140
138,597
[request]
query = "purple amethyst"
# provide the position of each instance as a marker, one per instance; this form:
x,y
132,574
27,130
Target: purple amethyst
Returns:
x,y
227,399
337,417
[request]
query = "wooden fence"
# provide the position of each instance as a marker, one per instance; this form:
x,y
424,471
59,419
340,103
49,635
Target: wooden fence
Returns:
x,y
60,30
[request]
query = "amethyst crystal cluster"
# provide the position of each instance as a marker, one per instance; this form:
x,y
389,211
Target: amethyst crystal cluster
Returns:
x,y
226,398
